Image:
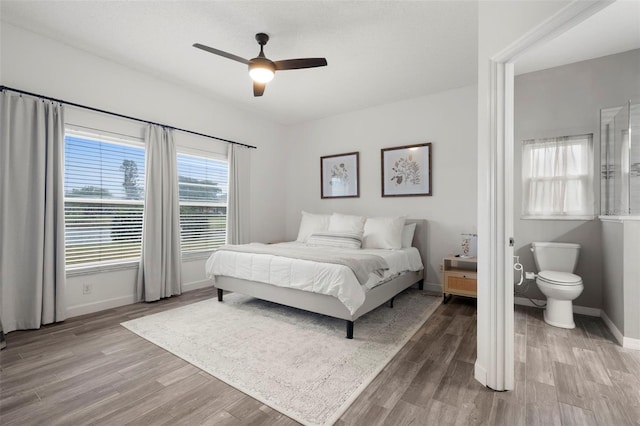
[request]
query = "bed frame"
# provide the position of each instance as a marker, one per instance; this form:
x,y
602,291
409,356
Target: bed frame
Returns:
x,y
330,305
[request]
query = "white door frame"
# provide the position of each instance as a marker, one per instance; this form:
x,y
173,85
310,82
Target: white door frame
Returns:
x,y
496,313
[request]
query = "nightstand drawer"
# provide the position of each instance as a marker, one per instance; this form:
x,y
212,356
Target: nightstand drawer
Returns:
x,y
460,276
461,282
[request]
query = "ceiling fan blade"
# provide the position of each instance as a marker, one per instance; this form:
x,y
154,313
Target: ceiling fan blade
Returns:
x,y
221,53
258,88
294,64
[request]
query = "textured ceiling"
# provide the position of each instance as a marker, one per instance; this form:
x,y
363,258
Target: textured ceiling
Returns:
x,y
378,52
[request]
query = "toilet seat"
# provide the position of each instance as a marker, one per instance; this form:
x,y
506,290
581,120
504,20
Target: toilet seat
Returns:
x,y
559,278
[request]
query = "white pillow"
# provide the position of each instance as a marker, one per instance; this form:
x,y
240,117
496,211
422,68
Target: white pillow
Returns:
x,y
346,223
335,239
311,223
407,235
383,232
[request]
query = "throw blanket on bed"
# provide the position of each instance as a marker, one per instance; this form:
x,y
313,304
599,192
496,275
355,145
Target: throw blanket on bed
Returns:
x,y
361,264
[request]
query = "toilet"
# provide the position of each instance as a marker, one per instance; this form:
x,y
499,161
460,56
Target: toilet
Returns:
x,y
556,263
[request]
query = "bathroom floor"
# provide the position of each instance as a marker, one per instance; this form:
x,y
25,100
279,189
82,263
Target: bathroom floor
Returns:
x,y
580,376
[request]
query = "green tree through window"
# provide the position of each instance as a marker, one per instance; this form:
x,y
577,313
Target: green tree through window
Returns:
x,y
130,179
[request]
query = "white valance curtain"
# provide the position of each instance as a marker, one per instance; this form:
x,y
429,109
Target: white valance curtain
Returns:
x,y
32,271
159,274
238,198
557,177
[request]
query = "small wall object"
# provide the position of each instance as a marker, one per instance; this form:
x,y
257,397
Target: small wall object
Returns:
x,y
406,170
339,175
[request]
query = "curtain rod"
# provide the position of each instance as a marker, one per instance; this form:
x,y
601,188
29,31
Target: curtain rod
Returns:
x,y
23,92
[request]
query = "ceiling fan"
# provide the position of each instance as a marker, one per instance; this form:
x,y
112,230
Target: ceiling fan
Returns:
x,y
262,69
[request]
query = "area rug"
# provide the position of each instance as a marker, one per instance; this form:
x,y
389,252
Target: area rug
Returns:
x,y
294,361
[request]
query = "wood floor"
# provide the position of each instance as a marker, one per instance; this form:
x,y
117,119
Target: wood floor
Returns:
x,y
90,370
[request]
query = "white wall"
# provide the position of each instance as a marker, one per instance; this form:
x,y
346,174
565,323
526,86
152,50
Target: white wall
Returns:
x,y
447,119
38,64
563,101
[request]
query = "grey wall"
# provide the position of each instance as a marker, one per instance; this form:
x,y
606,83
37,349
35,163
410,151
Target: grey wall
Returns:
x,y
631,290
562,101
621,274
612,272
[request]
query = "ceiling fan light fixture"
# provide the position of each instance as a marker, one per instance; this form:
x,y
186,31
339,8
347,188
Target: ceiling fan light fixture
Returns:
x,y
261,70
261,75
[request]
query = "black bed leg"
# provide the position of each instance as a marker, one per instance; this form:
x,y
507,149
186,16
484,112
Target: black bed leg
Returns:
x,y
391,302
421,285
219,295
349,329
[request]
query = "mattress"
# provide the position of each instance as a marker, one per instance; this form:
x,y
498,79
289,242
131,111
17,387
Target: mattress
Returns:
x,y
325,278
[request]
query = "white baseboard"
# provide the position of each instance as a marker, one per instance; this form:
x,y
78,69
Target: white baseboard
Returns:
x,y
582,310
480,374
612,327
625,342
433,287
629,343
102,305
197,285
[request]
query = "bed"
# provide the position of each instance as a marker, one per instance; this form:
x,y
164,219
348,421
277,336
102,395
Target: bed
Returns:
x,y
326,304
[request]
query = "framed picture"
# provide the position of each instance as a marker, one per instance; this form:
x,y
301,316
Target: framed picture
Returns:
x,y
339,176
406,171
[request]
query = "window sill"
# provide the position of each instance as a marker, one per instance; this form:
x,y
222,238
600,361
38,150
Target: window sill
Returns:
x,y
96,269
619,219
583,218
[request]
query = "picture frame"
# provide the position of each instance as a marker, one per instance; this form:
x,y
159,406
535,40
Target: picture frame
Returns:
x,y
406,170
340,175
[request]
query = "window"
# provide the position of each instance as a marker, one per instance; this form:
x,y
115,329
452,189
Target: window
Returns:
x,y
104,199
557,178
203,184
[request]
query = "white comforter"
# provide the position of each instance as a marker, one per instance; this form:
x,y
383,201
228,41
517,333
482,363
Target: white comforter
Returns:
x,y
325,278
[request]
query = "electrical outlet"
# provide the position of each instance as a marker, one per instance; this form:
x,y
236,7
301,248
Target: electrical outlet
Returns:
x,y
441,268
87,288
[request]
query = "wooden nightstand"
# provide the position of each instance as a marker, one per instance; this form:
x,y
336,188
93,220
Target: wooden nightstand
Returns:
x,y
460,277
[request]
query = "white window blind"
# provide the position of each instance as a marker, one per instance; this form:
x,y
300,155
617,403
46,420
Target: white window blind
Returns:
x,y
104,199
557,178
203,184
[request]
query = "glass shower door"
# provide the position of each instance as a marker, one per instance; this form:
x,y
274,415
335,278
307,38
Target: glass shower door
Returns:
x,y
620,160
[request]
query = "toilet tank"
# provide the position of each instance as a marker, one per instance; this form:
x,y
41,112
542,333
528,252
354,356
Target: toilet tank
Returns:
x,y
562,257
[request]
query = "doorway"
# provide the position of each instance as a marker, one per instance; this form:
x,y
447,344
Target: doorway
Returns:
x,y
495,363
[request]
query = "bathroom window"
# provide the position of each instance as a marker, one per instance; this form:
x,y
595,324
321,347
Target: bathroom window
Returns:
x,y
557,178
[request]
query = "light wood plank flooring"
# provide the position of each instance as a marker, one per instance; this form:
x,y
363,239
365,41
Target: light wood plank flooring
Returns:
x,y
90,370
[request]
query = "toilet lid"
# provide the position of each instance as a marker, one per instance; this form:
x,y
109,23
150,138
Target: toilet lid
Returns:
x,y
560,277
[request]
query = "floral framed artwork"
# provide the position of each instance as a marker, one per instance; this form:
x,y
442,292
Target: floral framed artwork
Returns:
x,y
406,171
339,175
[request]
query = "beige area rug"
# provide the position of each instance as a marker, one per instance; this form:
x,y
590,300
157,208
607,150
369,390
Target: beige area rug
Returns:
x,y
294,361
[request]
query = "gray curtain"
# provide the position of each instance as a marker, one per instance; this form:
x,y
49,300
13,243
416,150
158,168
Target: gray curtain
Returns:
x,y
238,198
32,271
159,274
